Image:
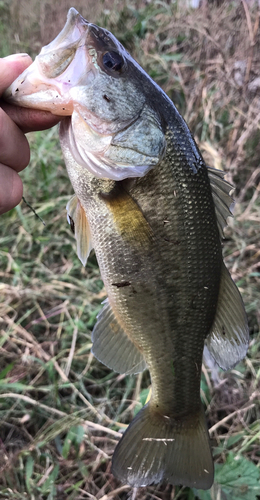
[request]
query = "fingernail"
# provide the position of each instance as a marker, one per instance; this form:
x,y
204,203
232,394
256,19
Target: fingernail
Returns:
x,y
16,56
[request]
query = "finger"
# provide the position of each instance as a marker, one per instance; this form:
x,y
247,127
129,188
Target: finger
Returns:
x,y
11,67
14,147
11,189
30,119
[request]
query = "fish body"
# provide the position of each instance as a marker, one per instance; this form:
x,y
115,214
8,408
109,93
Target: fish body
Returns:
x,y
154,213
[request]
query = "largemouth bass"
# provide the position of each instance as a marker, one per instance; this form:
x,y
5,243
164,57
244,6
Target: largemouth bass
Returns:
x,y
154,213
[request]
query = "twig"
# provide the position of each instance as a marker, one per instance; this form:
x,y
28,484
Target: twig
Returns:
x,y
57,367
113,493
30,206
32,402
45,475
248,20
86,423
101,428
252,34
229,417
72,350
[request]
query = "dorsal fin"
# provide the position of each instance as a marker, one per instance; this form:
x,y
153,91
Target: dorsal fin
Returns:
x,y
80,227
221,195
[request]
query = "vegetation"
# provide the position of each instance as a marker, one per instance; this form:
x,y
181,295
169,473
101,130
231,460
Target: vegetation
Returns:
x,y
61,411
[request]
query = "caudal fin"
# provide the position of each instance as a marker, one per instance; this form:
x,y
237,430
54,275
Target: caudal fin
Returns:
x,y
157,448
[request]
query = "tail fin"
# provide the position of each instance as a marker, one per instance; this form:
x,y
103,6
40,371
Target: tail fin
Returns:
x,y
156,448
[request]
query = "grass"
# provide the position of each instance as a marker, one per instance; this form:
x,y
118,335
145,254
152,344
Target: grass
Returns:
x,y
61,411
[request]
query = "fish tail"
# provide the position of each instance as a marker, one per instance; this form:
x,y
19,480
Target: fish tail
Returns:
x,y
157,448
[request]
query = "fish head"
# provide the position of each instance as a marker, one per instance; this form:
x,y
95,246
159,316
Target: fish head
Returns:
x,y
112,127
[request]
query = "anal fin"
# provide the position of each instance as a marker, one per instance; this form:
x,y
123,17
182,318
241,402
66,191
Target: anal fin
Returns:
x,y
113,347
229,337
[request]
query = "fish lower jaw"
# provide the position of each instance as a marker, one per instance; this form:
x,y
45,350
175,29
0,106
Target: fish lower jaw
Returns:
x,y
44,100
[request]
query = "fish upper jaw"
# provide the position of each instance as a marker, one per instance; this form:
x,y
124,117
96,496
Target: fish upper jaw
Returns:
x,y
74,28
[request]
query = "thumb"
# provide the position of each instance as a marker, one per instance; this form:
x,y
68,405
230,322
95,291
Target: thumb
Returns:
x,y
11,67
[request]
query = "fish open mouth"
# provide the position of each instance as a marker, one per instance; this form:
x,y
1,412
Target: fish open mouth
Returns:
x,y
47,82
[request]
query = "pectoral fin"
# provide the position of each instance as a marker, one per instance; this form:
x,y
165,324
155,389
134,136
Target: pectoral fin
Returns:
x,y
113,347
80,227
229,336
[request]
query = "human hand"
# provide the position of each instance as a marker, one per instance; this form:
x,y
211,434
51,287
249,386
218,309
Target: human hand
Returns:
x,y
14,122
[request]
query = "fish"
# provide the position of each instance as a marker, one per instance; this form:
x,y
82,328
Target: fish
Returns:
x,y
154,213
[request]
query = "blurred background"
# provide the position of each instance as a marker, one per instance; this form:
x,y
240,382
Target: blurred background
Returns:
x,y
61,411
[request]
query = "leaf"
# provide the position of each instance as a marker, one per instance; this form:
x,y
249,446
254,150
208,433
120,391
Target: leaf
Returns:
x,y
205,389
238,478
93,317
228,444
142,400
75,436
15,386
79,434
66,446
202,494
49,484
28,472
232,440
190,495
172,57
6,370
75,486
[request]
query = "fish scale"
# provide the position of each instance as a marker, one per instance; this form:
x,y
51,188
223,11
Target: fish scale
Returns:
x,y
126,302
154,214
164,261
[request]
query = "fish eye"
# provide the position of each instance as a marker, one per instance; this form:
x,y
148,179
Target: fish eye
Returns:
x,y
113,60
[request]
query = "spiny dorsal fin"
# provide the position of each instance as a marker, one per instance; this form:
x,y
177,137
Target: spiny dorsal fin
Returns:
x,y
221,195
80,227
229,336
113,347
